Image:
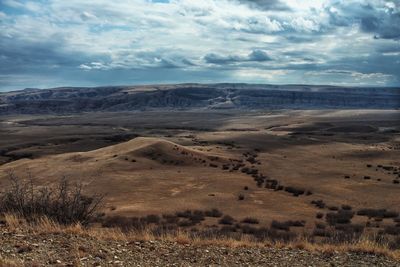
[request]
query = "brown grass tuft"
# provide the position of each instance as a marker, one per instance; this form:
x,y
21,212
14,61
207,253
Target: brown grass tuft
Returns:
x,y
365,244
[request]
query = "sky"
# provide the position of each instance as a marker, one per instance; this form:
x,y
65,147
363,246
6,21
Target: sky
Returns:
x,y
51,43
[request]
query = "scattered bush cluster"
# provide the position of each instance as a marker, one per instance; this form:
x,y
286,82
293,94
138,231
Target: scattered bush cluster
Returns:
x,y
319,204
287,224
65,203
339,217
377,213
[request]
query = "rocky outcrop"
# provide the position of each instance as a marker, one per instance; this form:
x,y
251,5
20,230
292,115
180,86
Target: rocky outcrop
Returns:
x,y
196,96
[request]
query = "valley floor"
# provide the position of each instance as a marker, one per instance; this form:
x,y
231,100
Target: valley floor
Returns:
x,y
323,173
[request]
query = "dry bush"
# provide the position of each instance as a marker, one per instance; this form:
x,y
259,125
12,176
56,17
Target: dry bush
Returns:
x,y
294,191
321,232
9,263
124,223
250,220
377,213
346,207
318,203
195,216
280,225
392,230
228,220
64,203
215,213
340,217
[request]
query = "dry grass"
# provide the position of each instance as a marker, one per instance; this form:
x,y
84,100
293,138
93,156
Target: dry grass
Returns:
x,y
9,263
365,244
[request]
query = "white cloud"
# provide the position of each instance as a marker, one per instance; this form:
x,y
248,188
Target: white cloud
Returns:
x,y
138,34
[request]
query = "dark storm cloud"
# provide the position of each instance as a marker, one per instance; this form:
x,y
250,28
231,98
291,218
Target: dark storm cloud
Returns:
x,y
256,55
382,21
214,58
266,4
23,54
259,56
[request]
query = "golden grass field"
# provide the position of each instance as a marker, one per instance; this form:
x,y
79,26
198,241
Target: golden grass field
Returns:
x,y
178,161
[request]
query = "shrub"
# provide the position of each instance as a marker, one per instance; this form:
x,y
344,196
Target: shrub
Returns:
x,y
194,216
241,197
296,223
341,217
318,203
197,216
319,215
392,230
246,188
184,214
170,218
152,219
377,213
280,225
390,214
186,223
395,243
226,229
252,160
346,207
322,233
247,229
213,213
350,228
250,220
294,191
64,203
228,220
124,223
245,170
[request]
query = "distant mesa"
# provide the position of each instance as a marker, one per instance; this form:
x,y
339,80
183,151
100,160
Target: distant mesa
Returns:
x,y
195,96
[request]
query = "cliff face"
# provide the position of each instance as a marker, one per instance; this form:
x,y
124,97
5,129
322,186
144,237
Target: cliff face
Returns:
x,y
194,96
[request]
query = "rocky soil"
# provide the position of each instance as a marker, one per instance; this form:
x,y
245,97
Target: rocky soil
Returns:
x,y
61,249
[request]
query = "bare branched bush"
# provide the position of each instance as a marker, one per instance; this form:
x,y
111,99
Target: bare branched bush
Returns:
x,y
64,203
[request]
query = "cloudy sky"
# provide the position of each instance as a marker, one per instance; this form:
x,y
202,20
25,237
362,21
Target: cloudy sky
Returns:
x,y
51,43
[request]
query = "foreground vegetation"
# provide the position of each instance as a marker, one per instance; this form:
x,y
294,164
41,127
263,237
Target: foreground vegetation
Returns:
x,y
65,209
